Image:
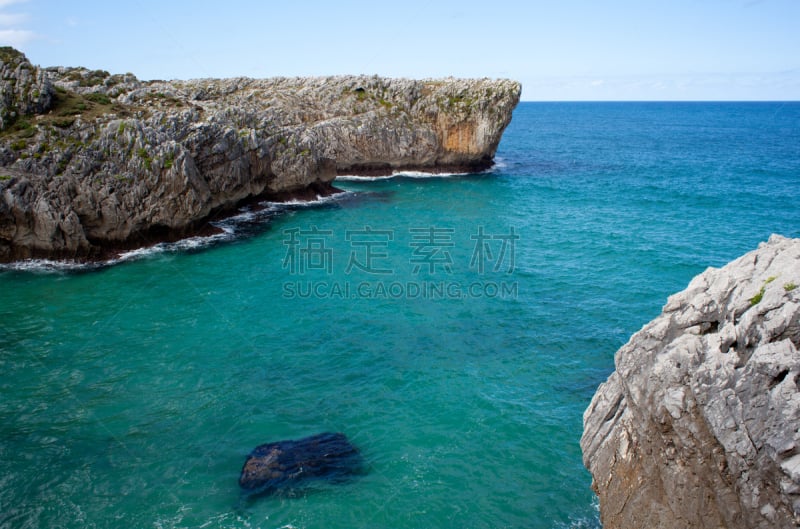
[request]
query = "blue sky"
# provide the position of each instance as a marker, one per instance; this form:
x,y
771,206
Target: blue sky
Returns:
x,y
558,49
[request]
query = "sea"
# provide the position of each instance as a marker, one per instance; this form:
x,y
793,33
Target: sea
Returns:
x,y
453,327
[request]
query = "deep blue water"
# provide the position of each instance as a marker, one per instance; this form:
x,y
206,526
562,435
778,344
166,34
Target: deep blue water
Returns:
x,y
453,328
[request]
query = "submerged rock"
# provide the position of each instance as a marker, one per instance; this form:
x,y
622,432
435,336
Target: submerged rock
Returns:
x,y
92,162
275,465
699,426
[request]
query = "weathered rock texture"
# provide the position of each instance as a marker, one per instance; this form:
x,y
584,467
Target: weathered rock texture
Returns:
x,y
699,427
90,160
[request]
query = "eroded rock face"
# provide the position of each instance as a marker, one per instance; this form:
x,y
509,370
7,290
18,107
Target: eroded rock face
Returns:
x,y
272,466
106,160
699,426
24,89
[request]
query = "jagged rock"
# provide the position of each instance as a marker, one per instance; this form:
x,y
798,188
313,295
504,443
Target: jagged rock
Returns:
x,y
24,89
110,161
285,463
699,426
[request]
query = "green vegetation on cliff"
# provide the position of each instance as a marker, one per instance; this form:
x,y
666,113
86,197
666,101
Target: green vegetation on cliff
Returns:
x,y
102,158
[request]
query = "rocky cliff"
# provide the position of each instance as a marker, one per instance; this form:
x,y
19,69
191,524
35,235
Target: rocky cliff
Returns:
x,y
91,161
699,426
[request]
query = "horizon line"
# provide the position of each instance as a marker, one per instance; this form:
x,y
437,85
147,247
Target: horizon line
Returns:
x,y
659,100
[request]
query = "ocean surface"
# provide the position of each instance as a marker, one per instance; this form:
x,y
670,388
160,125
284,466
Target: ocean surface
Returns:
x,y
454,328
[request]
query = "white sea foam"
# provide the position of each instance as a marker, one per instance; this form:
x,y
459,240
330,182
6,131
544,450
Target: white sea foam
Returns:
x,y
46,265
499,163
356,178
414,174
190,243
401,174
309,203
51,266
230,227
423,174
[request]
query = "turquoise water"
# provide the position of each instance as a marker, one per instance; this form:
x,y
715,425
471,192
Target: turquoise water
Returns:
x,y
130,395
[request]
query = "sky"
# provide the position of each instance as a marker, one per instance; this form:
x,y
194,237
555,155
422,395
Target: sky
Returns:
x,y
560,50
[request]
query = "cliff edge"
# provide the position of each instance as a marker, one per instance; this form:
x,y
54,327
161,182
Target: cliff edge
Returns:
x,y
699,426
91,161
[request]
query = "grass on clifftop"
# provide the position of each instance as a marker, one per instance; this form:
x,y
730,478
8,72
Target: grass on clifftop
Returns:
x,y
9,54
65,109
68,105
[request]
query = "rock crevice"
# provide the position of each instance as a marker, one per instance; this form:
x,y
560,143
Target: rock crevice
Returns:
x,y
699,426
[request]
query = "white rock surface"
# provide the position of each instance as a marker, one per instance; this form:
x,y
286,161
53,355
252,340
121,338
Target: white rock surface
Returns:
x,y
699,426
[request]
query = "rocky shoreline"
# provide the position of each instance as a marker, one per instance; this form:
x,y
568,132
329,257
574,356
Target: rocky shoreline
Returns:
x,y
91,163
699,426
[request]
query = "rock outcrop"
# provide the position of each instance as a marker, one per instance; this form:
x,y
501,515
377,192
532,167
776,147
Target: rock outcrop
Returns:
x,y
699,426
282,464
91,161
24,89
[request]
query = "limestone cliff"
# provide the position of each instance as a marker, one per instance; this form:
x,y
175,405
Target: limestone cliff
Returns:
x,y
91,161
699,427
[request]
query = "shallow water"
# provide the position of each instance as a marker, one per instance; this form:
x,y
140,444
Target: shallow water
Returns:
x,y
456,343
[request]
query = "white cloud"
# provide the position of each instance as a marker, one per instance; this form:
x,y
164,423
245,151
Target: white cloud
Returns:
x,y
6,3
16,37
11,34
8,19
